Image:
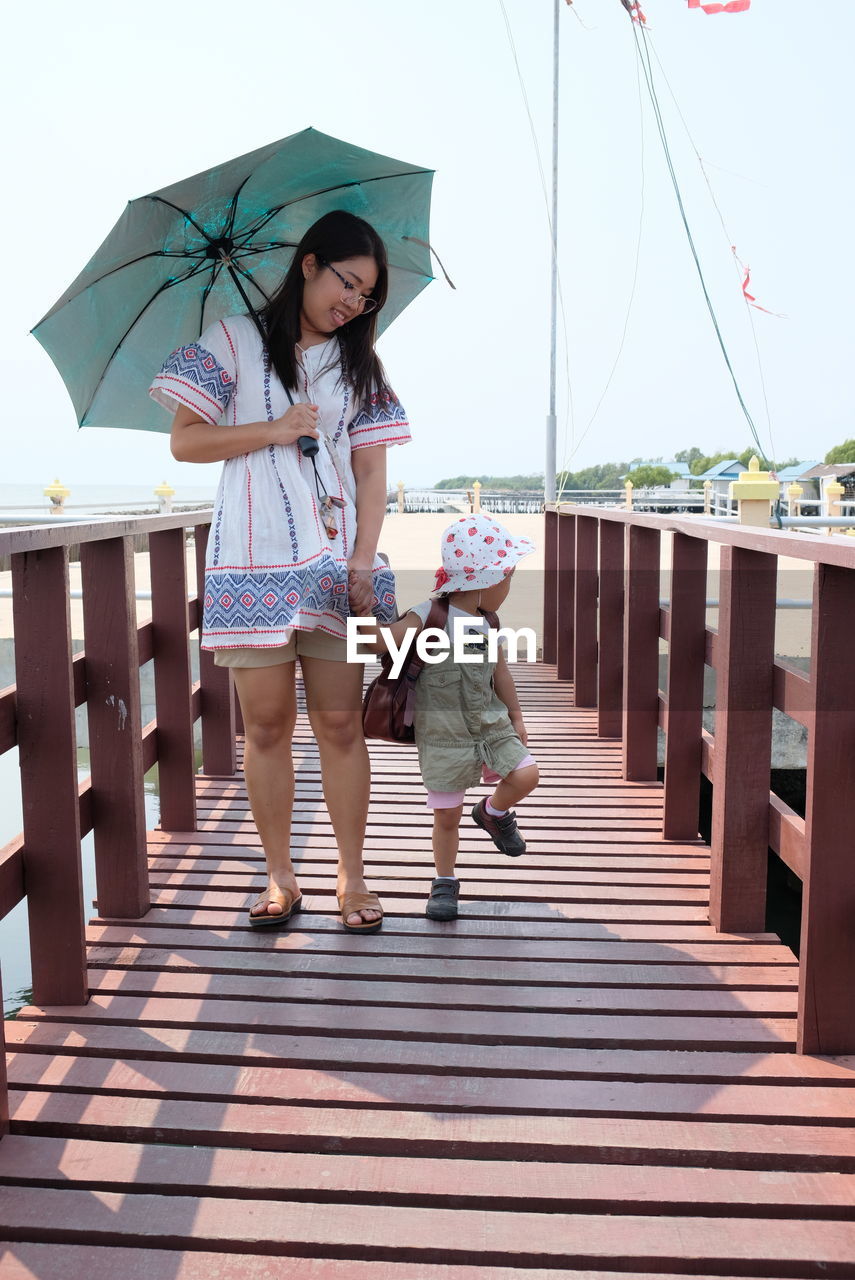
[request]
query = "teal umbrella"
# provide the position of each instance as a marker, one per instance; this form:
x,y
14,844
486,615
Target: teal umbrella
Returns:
x,y
182,257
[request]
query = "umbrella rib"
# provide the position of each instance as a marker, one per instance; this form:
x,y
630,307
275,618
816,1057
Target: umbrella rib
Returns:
x,y
342,186
184,214
155,253
216,265
248,253
246,275
235,199
167,284
339,186
253,230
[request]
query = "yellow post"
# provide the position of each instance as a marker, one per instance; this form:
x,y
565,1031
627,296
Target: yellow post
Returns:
x,y
707,497
755,491
164,494
627,488
400,497
57,493
794,493
476,501
834,492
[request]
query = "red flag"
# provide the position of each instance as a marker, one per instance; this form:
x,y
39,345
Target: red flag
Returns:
x,y
732,6
749,297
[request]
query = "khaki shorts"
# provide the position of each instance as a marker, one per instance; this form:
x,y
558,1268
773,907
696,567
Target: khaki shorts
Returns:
x,y
308,644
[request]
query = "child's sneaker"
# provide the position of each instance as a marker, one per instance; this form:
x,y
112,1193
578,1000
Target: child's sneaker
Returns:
x,y
503,831
442,903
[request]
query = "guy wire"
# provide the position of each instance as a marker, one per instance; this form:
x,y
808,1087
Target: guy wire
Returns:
x,y
647,68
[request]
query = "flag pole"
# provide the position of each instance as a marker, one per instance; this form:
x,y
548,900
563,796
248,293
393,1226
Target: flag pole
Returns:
x,y
551,420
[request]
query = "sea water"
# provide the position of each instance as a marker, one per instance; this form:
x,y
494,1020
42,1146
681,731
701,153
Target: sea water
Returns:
x,y
21,499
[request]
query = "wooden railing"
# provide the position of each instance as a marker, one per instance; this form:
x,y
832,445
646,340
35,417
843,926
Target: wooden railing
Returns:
x,y
602,626
37,714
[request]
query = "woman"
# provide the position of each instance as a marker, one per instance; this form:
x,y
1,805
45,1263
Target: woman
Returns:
x,y
293,546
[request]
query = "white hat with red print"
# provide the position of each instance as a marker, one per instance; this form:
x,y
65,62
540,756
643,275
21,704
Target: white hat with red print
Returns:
x,y
477,552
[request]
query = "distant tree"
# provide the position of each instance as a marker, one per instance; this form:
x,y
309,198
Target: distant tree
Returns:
x,y
688,456
753,452
841,453
607,475
494,483
650,476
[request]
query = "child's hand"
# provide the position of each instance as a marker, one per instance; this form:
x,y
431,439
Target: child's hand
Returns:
x,y
360,587
520,729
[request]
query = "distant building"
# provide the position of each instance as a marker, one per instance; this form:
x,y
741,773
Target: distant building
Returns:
x,y
793,475
721,475
817,475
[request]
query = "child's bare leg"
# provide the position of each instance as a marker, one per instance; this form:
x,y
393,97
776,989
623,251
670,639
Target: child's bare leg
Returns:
x,y
518,784
446,839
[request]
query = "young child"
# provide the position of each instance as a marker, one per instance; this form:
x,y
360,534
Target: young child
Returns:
x,y
467,719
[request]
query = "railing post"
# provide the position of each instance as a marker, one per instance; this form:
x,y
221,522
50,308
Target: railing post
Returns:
x,y
4,1081
610,667
566,595
794,493
641,656
47,743
172,680
827,953
115,727
217,701
743,740
550,586
834,492
685,688
585,620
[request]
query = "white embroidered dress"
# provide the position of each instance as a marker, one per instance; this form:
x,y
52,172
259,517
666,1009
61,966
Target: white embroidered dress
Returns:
x,y
270,567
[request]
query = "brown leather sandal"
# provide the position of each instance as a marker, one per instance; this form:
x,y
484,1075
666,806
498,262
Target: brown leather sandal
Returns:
x,y
349,903
290,903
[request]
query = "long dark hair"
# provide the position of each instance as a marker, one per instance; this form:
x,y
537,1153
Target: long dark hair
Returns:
x,y
335,237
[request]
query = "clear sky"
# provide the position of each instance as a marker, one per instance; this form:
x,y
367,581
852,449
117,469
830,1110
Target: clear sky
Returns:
x,y
105,102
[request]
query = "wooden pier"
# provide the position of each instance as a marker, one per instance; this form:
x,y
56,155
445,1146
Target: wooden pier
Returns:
x,y
581,1077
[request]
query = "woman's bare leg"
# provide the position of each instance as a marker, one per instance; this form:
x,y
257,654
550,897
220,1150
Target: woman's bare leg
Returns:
x,y
268,703
334,704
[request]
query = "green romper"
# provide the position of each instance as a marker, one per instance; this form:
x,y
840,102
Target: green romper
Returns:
x,y
461,723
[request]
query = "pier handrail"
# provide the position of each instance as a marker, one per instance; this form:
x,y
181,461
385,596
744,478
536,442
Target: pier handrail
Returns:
x,y
602,626
37,715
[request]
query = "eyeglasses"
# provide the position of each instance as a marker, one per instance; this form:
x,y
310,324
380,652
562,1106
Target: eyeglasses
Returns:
x,y
356,300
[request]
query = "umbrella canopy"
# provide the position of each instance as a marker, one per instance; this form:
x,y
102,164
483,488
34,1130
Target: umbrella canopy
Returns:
x,y
159,278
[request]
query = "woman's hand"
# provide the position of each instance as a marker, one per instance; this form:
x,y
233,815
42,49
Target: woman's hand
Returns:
x,y
299,420
360,586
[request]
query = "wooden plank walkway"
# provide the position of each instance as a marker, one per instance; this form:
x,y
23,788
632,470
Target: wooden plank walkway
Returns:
x,y
578,1078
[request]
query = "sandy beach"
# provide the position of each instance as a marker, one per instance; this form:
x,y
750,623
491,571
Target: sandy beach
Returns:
x,y
412,543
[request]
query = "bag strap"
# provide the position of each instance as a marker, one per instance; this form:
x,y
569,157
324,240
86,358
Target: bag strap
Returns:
x,y
437,617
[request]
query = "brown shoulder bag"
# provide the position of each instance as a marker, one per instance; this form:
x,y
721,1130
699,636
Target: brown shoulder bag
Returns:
x,y
387,707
